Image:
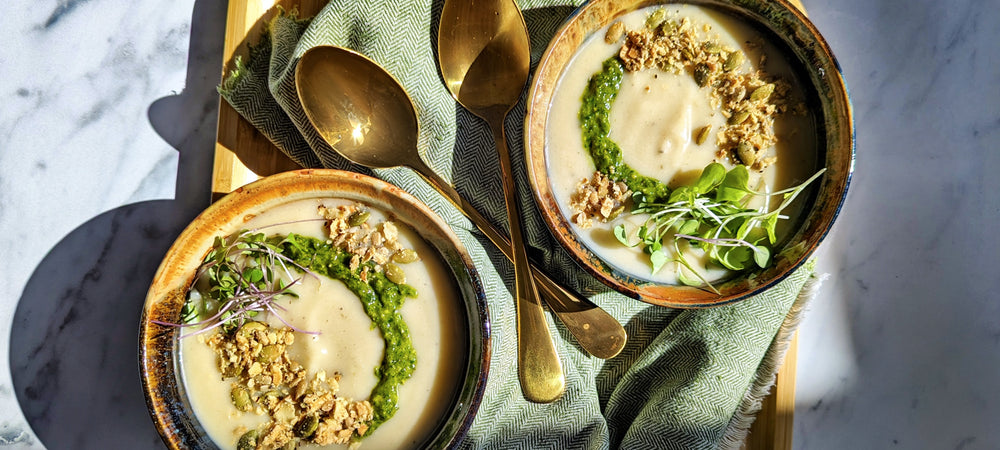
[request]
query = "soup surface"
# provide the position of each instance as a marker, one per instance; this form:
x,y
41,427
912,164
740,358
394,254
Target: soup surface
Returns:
x,y
669,128
345,342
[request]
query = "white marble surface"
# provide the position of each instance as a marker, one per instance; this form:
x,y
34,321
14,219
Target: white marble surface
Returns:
x,y
106,133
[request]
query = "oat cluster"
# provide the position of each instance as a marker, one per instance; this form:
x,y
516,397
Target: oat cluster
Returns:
x,y
265,380
747,98
598,198
350,230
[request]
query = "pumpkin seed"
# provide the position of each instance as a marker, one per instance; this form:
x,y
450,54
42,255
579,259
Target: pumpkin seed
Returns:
x,y
746,153
248,329
248,441
702,135
656,18
290,445
269,353
686,54
241,398
358,217
711,47
395,274
762,93
306,426
616,212
615,32
739,117
230,370
667,28
405,256
702,73
279,392
734,60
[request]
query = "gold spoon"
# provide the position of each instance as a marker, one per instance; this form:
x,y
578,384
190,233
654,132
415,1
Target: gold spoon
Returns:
x,y
365,114
484,54
336,100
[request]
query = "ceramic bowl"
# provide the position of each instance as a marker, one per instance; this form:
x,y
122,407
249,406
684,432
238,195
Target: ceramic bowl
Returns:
x,y
159,345
826,93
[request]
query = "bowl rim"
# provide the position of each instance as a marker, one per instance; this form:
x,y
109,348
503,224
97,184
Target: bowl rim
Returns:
x,y
778,19
163,389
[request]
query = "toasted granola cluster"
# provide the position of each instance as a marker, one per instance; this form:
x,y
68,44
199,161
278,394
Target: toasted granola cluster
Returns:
x,y
350,230
598,198
266,381
747,99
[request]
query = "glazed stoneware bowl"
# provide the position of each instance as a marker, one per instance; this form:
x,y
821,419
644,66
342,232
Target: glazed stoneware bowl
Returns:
x,y
817,70
159,345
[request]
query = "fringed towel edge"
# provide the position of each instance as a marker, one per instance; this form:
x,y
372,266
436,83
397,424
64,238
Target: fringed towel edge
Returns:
x,y
739,426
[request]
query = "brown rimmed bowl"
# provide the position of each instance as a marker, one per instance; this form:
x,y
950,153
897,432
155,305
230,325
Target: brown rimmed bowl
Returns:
x,y
808,53
158,345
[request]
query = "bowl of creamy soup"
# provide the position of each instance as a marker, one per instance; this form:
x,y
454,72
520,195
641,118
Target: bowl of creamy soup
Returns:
x,y
689,154
315,309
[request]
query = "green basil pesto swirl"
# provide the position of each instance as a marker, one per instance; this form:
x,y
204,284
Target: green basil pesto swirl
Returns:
x,y
595,121
382,300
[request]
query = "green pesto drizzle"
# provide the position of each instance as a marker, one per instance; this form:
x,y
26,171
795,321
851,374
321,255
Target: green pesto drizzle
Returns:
x,y
382,300
595,120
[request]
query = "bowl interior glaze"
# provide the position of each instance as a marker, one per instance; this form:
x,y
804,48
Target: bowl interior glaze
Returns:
x,y
826,93
158,345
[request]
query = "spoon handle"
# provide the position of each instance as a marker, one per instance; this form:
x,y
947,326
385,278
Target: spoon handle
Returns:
x,y
538,365
597,332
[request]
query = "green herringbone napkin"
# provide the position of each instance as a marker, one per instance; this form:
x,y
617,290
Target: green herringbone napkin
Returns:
x,y
687,379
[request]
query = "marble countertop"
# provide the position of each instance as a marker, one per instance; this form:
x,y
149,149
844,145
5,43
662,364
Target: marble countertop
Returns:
x,y
106,136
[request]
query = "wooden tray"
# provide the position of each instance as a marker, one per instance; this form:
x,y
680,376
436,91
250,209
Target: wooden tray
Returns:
x,y
242,155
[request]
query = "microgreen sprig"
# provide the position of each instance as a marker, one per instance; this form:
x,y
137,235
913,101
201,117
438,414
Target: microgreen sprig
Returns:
x,y
710,214
243,275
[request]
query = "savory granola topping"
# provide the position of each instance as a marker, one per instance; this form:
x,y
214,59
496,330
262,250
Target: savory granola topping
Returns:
x,y
598,198
350,231
265,380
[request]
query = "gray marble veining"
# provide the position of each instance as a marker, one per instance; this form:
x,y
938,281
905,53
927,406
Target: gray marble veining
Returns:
x,y
106,140
902,348
106,134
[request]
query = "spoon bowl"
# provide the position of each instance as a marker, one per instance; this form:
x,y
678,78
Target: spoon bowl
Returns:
x,y
484,55
358,108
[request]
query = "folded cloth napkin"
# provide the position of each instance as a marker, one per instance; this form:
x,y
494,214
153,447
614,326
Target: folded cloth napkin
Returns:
x,y
686,379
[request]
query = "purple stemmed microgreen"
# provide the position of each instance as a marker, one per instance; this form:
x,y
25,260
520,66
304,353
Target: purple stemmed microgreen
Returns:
x,y
712,215
241,276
